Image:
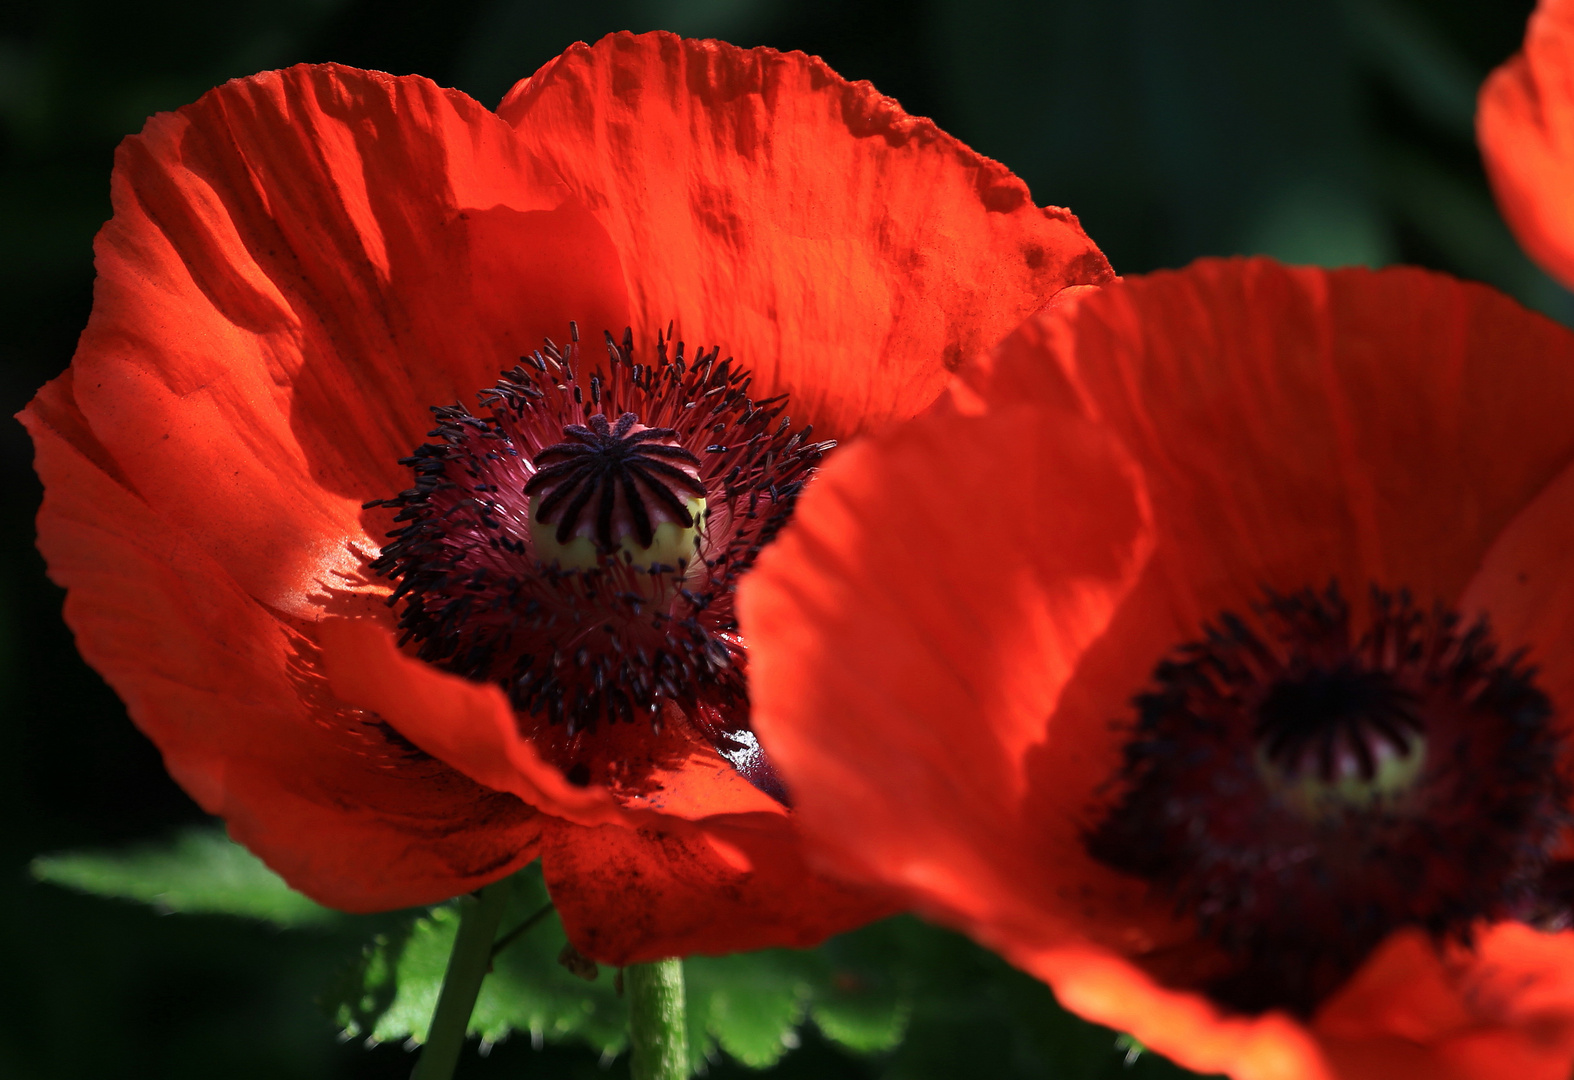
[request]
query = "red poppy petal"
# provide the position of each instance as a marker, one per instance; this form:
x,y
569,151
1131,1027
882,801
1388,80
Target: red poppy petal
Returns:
x,y
1525,591
846,252
1300,424
226,691
472,727
911,632
1525,125
468,725
1185,1027
300,264
1504,1007
628,896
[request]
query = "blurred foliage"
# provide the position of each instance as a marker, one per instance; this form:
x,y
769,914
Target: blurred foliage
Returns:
x,y
201,872
1332,131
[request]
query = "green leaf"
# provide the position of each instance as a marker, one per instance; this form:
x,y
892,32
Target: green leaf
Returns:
x,y
931,1003
201,871
530,991
389,993
862,1002
750,1004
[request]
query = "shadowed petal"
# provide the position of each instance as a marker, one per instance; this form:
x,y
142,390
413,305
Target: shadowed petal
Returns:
x,y
629,896
472,727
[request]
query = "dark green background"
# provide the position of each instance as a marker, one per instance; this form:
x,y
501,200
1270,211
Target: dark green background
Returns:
x,y
1315,131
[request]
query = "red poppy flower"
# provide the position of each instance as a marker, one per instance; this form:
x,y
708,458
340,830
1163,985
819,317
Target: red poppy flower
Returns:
x,y
304,263
1525,125
1176,654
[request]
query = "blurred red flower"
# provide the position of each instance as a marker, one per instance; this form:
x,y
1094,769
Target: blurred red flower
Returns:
x,y
304,262
1525,125
1153,657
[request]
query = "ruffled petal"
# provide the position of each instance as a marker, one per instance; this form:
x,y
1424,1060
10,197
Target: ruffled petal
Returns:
x,y
300,264
628,896
1525,126
849,254
912,631
347,812
472,727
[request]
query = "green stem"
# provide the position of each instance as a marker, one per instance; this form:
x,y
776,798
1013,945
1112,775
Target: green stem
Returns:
x,y
479,916
658,1030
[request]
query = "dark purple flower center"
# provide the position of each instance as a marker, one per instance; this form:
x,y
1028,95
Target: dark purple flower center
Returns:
x,y
580,540
1302,789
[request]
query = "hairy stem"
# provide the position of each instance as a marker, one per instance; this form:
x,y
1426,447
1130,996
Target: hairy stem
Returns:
x,y
479,916
658,1032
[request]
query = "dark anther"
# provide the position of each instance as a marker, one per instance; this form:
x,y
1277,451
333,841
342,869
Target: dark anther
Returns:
x,y
595,463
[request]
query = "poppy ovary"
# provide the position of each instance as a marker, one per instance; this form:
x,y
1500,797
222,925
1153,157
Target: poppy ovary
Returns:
x,y
616,490
1301,787
1334,739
